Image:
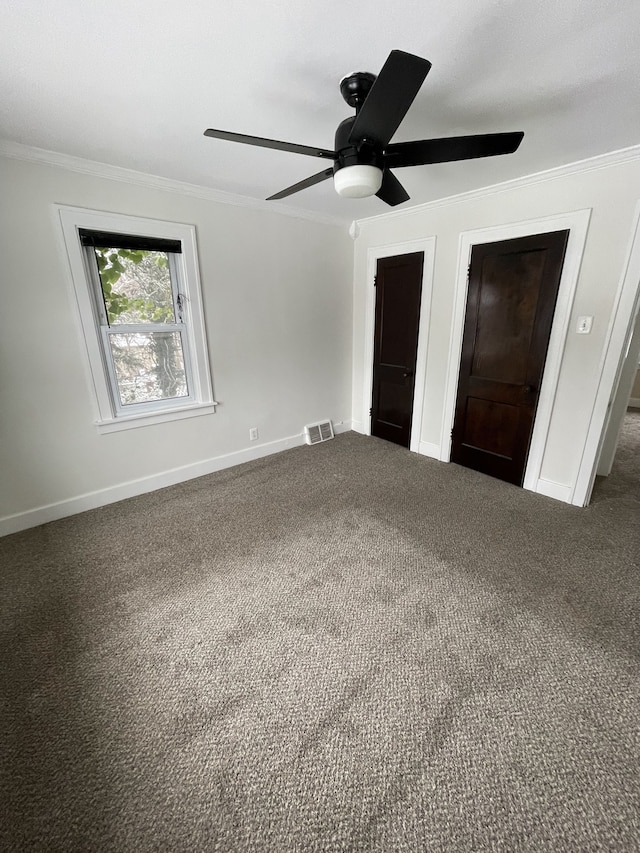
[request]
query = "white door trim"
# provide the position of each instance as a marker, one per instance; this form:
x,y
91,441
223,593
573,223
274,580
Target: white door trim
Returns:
x,y
577,222
426,245
621,325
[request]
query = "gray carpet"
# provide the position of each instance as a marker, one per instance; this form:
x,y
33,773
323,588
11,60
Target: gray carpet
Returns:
x,y
340,648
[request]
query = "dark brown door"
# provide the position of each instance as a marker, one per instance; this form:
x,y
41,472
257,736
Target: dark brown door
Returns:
x,y
398,289
513,286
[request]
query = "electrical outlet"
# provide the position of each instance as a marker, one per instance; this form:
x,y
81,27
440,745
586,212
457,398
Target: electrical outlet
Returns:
x,y
253,434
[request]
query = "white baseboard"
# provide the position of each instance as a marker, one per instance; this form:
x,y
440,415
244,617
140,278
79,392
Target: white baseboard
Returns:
x,y
102,497
544,487
358,426
558,491
634,402
427,448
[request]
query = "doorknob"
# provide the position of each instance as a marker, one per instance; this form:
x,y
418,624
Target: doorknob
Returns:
x,y
529,389
407,373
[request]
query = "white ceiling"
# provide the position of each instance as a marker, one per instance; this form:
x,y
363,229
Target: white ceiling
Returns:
x,y
135,84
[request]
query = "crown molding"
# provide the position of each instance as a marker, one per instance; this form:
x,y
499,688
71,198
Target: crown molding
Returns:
x,y
591,164
18,151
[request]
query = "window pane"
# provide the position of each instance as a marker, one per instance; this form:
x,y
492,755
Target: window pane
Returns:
x,y
149,366
136,286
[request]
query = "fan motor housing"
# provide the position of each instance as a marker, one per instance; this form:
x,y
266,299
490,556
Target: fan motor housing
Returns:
x,y
362,153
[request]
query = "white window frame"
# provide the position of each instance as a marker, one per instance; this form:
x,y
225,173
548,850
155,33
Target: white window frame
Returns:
x,y
110,416
178,326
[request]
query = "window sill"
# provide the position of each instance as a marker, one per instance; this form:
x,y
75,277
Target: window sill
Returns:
x,y
159,417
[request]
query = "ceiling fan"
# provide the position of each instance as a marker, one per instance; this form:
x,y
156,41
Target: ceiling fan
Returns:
x,y
363,158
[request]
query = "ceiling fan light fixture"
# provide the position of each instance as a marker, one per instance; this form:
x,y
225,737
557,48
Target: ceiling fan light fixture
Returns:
x,y
357,181
364,161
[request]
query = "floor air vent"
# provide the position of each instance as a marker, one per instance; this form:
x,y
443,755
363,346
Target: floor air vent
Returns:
x,y
315,433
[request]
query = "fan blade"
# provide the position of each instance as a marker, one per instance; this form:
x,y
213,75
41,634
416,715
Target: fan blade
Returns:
x,y
302,185
426,151
271,143
392,190
390,97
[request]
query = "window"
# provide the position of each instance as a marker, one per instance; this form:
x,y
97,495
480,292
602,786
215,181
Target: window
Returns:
x,y
140,308
137,291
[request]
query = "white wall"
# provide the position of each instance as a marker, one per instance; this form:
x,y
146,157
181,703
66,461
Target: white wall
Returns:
x,y
611,192
278,303
628,375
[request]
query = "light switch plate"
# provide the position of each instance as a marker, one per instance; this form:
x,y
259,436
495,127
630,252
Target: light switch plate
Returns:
x,y
583,326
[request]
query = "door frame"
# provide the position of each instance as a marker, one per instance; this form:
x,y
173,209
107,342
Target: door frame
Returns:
x,y
618,339
577,223
426,245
